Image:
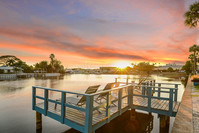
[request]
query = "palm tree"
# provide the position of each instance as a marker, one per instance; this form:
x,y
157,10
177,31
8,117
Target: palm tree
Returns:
x,y
192,15
10,62
194,49
52,56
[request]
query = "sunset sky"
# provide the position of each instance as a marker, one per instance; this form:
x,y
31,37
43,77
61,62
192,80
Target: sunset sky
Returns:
x,y
93,33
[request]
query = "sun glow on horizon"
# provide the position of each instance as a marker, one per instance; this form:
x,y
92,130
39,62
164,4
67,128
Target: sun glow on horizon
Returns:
x,y
122,64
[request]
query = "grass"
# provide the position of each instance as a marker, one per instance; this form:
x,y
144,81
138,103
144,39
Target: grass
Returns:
x,y
194,95
196,90
197,87
173,74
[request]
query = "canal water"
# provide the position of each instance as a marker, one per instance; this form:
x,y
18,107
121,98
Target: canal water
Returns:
x,y
16,114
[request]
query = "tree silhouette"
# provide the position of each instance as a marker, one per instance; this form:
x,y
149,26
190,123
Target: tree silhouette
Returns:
x,y
192,15
187,67
170,69
194,49
8,60
145,67
52,58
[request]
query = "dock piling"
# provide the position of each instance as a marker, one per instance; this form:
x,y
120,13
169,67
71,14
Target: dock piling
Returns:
x,y
127,80
164,122
38,121
115,80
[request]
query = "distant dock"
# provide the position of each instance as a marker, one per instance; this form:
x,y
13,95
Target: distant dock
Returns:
x,y
27,75
8,76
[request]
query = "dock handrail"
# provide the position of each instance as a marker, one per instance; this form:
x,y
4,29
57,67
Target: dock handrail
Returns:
x,y
168,83
123,92
88,109
39,87
113,89
155,87
147,93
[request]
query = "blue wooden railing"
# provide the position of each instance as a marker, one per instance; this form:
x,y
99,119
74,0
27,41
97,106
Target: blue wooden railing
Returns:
x,y
122,92
88,110
151,91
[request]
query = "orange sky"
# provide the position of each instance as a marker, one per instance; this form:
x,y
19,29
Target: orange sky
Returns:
x,y
96,33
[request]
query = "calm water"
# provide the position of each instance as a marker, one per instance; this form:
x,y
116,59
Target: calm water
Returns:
x,y
16,114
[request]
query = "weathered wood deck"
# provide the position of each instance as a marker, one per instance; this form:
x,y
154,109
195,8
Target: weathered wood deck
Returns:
x,y
79,117
155,104
118,100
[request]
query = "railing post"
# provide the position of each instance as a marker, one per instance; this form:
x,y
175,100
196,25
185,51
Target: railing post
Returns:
x,y
89,114
151,83
63,101
171,102
159,89
45,101
176,93
154,86
108,104
130,96
120,101
33,97
146,91
127,80
143,89
149,99
115,80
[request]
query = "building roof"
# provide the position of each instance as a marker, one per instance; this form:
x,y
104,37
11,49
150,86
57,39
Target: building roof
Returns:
x,y
6,68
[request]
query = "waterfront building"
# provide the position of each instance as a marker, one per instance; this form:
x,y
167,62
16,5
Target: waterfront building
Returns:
x,y
7,69
173,66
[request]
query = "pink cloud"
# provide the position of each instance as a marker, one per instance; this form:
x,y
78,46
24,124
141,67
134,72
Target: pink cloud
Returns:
x,y
129,30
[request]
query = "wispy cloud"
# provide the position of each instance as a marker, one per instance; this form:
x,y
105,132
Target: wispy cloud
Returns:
x,y
98,30
61,41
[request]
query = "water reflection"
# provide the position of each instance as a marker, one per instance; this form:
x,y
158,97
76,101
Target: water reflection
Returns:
x,y
133,122
9,89
45,78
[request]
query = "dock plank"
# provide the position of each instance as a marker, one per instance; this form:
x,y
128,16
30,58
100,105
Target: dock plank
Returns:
x,y
79,117
155,103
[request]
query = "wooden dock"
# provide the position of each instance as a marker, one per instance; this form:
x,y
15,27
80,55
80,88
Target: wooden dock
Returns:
x,y
156,105
118,100
77,116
